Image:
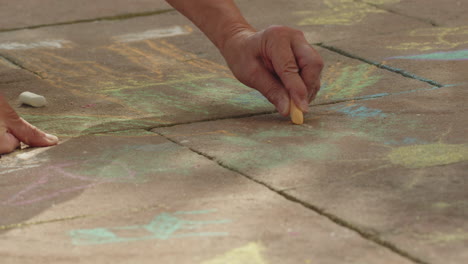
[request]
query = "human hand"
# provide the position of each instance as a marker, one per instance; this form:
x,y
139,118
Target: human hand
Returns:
x,y
14,129
278,62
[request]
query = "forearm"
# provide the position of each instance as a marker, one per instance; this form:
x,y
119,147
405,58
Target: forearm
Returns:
x,y
217,19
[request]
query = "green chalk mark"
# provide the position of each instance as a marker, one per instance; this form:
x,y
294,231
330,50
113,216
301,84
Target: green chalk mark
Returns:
x,y
421,156
351,82
444,56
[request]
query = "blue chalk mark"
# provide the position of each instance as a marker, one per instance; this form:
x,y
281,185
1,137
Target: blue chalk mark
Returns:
x,y
457,55
410,141
164,226
405,141
195,212
360,111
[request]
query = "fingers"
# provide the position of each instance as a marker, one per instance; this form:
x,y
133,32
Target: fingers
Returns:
x,y
285,66
264,82
8,143
30,134
310,63
17,128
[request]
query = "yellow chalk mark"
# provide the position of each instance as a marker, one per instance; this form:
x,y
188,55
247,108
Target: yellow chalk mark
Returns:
x,y
250,253
25,224
342,12
172,51
139,57
421,156
439,38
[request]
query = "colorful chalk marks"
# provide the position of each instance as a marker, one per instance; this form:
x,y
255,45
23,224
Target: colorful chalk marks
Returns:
x,y
164,226
456,55
345,82
356,110
136,163
422,156
342,12
250,253
435,38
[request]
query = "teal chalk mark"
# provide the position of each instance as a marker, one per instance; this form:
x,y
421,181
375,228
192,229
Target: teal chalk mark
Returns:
x,y
441,56
164,226
360,111
195,212
406,141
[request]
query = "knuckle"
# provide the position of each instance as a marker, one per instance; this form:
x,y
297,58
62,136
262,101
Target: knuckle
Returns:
x,y
272,94
289,67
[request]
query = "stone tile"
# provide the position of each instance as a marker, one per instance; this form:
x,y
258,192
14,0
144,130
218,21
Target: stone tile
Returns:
x,y
328,20
134,194
149,82
26,13
437,12
393,167
435,53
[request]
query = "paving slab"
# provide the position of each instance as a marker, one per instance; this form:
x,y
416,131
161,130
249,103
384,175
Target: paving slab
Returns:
x,y
115,75
434,53
328,19
30,13
135,195
393,167
436,12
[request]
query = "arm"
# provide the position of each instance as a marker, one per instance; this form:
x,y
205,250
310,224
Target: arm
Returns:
x,y
277,61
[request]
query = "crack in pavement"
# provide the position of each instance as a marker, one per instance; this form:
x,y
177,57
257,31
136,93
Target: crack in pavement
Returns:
x,y
392,11
380,65
90,20
17,65
25,224
367,235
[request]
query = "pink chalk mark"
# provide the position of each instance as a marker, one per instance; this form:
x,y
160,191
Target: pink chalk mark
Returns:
x,y
60,169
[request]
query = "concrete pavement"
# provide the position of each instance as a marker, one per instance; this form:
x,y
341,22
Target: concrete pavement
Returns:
x,y
164,157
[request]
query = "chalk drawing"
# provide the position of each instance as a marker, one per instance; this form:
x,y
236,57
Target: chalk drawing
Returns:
x,y
22,160
344,82
41,189
163,227
444,238
421,156
357,110
155,34
250,253
64,125
437,38
115,164
57,44
456,55
342,12
405,141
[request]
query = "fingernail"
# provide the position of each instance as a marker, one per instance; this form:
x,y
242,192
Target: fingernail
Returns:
x,y
52,139
283,107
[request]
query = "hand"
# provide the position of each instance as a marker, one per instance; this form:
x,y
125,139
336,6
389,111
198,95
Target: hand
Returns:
x,y
14,129
278,62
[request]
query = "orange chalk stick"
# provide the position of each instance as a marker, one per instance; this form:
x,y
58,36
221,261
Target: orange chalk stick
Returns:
x,y
296,114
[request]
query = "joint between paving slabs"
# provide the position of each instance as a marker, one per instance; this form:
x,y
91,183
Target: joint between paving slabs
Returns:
x,y
17,65
389,10
341,222
90,20
382,66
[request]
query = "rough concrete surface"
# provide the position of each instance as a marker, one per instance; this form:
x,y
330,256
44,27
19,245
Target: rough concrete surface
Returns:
x,y
164,157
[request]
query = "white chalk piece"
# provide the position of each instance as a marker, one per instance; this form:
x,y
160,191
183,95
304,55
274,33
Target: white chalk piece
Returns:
x,y
32,99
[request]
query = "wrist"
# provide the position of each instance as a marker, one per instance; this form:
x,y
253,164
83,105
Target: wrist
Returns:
x,y
234,31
